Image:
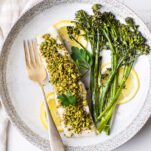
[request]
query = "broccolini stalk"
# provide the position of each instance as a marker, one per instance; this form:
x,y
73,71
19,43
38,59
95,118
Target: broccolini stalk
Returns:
x,y
96,23
126,43
90,25
95,93
132,45
110,28
105,120
113,101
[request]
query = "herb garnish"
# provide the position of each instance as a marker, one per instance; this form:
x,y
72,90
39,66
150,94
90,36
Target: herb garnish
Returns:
x,y
67,99
82,58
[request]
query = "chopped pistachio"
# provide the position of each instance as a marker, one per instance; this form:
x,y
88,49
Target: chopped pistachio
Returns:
x,y
65,77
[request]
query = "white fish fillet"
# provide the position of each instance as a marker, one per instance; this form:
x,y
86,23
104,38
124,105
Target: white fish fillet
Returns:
x,y
54,34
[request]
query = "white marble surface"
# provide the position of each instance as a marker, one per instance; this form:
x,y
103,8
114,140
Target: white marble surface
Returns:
x,y
142,141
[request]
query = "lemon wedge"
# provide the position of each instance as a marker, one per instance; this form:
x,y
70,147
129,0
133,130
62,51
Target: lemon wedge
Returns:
x,y
131,86
61,26
53,108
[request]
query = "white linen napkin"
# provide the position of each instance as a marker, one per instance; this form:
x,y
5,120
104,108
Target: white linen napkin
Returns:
x,y
4,124
10,11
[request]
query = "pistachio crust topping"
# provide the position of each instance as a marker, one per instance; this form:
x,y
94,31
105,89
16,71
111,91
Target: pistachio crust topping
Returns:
x,y
65,78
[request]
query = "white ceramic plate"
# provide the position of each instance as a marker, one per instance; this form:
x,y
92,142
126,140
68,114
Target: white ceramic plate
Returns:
x,y
22,97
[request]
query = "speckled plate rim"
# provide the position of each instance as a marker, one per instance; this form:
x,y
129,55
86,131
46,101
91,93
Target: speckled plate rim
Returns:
x,y
35,139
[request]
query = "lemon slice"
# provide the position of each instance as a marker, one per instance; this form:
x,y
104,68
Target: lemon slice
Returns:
x,y
131,86
61,26
52,106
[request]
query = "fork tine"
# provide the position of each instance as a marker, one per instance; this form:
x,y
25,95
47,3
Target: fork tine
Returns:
x,y
37,56
30,48
26,54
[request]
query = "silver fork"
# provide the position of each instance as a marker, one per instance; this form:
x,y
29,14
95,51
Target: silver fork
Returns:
x,y
36,72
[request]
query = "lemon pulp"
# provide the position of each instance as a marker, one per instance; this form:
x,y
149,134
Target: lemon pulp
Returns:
x,y
61,26
53,109
131,86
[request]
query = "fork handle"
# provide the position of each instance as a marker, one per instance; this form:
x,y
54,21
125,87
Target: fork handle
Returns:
x,y
56,143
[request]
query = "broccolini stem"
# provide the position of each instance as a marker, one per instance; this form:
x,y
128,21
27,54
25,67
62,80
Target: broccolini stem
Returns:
x,y
107,127
112,90
95,93
73,38
114,100
109,40
93,46
105,120
113,86
91,90
113,64
107,87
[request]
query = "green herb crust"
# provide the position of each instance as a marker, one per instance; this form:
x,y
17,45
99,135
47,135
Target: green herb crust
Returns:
x,y
65,78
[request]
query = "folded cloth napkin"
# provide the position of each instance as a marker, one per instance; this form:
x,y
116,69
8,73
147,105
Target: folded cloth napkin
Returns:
x,y
10,11
3,117
4,123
